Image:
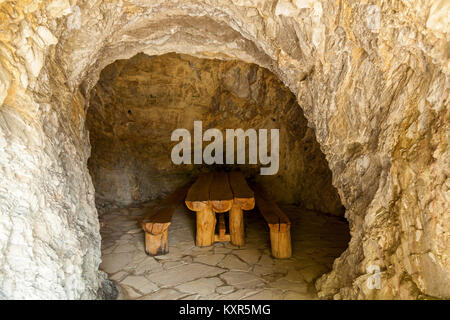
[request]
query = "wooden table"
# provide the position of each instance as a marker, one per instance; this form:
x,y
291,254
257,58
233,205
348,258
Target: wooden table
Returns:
x,y
219,192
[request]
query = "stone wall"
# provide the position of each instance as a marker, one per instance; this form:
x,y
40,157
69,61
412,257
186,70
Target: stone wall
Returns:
x,y
371,76
137,103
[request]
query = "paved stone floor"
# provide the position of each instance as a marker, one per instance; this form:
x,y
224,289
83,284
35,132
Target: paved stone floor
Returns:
x,y
221,271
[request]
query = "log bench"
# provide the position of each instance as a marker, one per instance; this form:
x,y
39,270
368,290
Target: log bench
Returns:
x,y
279,224
157,221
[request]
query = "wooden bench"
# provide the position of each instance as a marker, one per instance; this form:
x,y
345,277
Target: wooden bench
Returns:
x,y
279,223
157,221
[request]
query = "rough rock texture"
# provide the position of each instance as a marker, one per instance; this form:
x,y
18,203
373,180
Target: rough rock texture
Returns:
x,y
137,103
371,76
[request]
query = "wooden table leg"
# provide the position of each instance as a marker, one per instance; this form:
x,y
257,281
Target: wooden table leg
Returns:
x,y
206,224
237,225
222,227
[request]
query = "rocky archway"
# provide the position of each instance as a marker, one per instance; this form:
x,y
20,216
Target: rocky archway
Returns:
x,y
133,110
138,102
372,79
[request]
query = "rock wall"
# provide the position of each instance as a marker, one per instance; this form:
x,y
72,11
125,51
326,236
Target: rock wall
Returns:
x,y
371,76
137,103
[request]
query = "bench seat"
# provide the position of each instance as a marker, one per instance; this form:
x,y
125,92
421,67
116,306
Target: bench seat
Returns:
x,y
279,224
157,221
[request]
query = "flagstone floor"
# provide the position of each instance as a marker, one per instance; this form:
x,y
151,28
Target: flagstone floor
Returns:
x,y
221,271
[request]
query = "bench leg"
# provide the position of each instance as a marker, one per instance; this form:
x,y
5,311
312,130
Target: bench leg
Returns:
x,y
280,241
206,224
236,220
156,245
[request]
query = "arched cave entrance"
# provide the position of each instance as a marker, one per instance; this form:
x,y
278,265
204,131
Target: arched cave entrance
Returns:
x,y
371,78
133,109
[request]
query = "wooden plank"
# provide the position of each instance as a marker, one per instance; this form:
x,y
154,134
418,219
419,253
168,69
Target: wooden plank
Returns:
x,y
220,194
169,204
162,212
283,217
239,185
197,197
199,191
266,207
242,194
273,208
158,219
269,206
220,188
225,238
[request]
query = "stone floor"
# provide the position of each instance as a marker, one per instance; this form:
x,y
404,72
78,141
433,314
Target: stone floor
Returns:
x,y
221,271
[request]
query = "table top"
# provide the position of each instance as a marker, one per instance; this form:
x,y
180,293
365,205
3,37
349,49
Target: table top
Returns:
x,y
220,190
